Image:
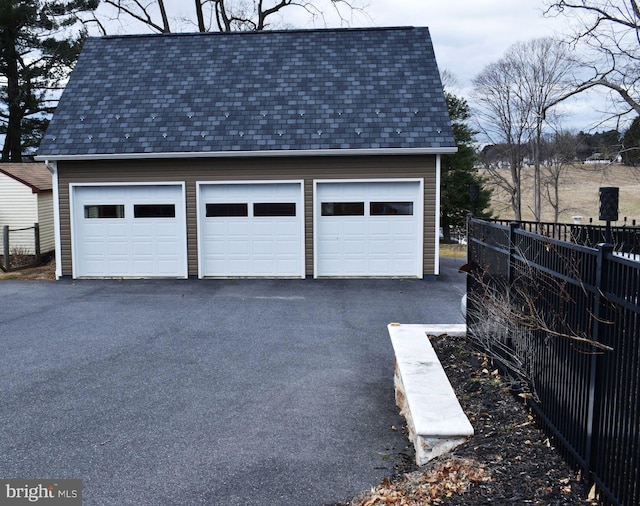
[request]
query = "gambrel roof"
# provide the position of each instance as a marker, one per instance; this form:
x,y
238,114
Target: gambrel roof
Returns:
x,y
271,92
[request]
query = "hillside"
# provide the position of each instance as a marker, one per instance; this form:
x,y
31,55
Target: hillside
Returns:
x,y
578,193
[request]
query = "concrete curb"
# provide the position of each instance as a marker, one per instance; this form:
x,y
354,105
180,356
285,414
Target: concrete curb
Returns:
x,y
435,419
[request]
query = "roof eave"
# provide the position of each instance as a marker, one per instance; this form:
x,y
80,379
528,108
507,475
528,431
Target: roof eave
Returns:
x,y
251,154
34,188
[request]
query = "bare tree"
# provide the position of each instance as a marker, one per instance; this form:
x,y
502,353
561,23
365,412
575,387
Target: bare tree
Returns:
x,y
558,155
514,96
547,73
226,15
502,117
151,13
609,33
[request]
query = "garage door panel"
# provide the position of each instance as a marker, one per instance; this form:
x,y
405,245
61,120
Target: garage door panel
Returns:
x,y
402,226
353,247
238,247
216,249
385,241
402,247
142,249
263,230
329,249
379,265
109,241
167,249
381,248
382,228
355,267
288,248
237,228
143,267
354,228
263,248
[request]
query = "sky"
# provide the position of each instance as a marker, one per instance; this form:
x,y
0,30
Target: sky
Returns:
x,y
470,34
467,35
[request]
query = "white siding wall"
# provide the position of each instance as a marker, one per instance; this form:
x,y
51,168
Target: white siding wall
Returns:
x,y
45,219
18,209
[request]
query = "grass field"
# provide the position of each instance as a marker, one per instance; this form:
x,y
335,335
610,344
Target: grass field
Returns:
x,y
453,250
579,194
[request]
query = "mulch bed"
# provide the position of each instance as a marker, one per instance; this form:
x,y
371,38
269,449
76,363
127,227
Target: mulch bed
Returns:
x,y
508,461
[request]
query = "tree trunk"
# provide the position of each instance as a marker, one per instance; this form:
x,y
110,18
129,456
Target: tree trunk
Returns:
x,y
516,194
200,15
12,149
165,19
446,229
537,179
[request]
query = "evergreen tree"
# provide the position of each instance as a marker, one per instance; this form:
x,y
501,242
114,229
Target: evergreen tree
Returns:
x,y
40,41
459,173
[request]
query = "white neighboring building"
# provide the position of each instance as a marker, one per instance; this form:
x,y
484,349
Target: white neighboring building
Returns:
x,y
26,197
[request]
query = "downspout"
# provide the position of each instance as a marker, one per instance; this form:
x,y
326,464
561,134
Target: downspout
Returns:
x,y
436,266
53,168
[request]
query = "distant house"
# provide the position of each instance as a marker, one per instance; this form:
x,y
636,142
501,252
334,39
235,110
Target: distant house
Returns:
x,y
26,197
251,154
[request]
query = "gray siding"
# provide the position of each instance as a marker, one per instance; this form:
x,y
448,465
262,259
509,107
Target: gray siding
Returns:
x,y
246,169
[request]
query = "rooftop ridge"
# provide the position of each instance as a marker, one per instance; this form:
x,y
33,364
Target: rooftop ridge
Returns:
x,y
259,32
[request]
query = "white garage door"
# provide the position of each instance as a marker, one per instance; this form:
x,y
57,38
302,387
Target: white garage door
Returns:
x,y
251,230
129,231
368,229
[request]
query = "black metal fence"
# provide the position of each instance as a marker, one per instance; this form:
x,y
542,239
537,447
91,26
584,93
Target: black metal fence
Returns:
x,y
625,239
564,321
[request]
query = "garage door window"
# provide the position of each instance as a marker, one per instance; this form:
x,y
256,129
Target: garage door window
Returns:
x,y
391,208
226,210
154,211
104,211
343,209
274,209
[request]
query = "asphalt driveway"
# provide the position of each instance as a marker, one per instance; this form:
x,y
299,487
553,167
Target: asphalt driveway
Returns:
x,y
238,392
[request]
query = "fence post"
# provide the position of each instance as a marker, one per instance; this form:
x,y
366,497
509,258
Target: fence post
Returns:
x,y
513,226
598,306
5,242
36,240
470,281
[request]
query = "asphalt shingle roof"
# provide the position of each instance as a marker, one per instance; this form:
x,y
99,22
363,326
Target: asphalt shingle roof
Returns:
x,y
252,91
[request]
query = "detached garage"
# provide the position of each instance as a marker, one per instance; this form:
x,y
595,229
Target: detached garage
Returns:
x,y
281,154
